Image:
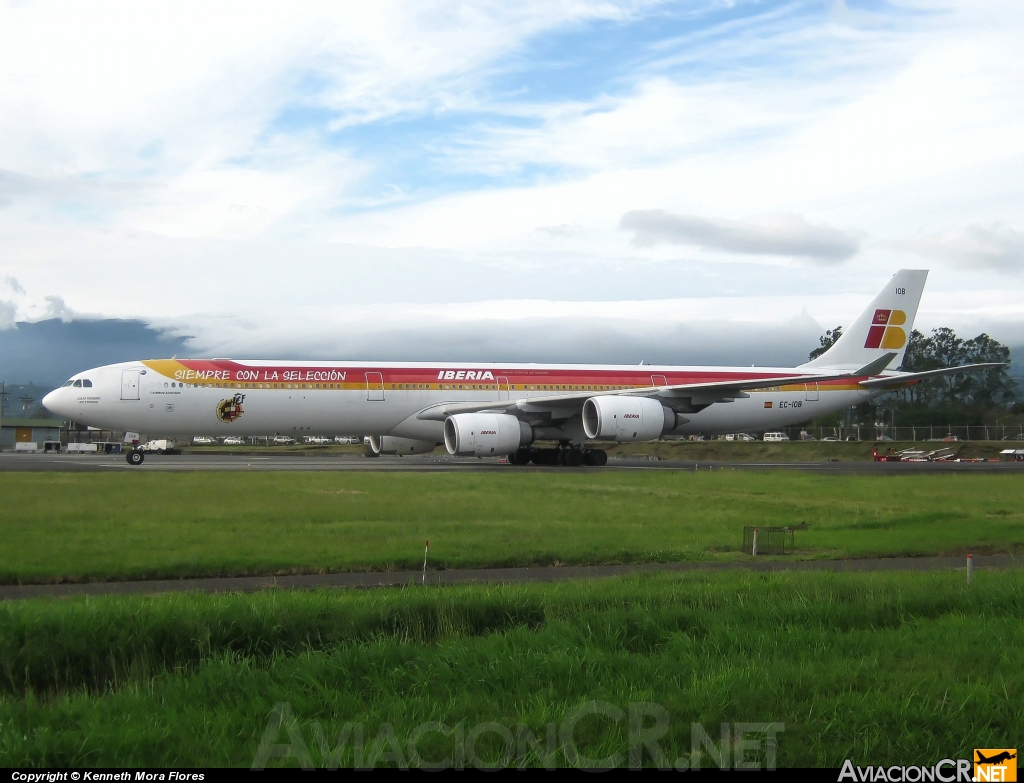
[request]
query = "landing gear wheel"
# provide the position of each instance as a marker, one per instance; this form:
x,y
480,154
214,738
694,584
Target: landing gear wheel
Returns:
x,y
520,457
571,458
545,456
595,457
135,457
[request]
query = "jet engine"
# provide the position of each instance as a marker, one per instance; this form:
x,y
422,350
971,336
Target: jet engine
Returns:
x,y
485,434
626,419
387,444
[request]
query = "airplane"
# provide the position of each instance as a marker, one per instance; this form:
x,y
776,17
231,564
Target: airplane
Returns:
x,y
1004,756
478,409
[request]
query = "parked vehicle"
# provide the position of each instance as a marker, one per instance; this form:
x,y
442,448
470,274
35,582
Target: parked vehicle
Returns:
x,y
283,440
775,437
158,446
345,440
830,439
202,440
319,440
233,440
805,435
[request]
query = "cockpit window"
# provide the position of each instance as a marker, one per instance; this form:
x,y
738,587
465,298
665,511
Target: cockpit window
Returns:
x,y
78,383
68,384
86,382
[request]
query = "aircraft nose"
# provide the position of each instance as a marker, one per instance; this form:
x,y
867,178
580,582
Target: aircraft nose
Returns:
x,y
50,401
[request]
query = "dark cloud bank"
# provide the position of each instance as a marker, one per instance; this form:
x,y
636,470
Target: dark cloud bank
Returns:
x,y
48,352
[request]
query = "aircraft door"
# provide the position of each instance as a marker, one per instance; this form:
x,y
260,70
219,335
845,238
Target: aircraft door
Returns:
x,y
374,387
811,390
659,380
129,384
502,388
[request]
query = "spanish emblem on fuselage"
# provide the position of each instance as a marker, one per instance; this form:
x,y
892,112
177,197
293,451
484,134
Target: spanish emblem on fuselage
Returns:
x,y
229,410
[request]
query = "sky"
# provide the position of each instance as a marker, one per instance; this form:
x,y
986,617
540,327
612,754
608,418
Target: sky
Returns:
x,y
669,181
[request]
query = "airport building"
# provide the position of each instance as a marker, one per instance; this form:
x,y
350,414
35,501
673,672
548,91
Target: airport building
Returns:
x,y
14,431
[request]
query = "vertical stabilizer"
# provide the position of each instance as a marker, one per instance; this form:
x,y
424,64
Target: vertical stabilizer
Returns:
x,y
883,328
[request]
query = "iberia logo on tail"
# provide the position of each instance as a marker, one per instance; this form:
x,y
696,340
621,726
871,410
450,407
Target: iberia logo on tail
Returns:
x,y
885,331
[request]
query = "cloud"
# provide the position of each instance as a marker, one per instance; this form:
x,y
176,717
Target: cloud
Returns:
x,y
56,307
8,314
997,247
773,235
563,231
13,284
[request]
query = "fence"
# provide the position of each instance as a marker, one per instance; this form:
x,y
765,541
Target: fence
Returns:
x,y
937,432
771,540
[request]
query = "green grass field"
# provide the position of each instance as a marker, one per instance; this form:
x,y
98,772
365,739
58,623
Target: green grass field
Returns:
x,y
61,526
704,451
883,668
796,451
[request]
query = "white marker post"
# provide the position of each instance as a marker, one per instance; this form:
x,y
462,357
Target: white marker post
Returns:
x,y
970,568
753,549
426,546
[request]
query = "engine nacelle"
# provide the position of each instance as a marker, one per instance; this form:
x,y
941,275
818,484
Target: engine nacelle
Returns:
x,y
485,434
387,444
626,419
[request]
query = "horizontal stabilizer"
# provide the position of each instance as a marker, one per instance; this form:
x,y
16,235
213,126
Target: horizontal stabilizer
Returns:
x,y
897,380
877,366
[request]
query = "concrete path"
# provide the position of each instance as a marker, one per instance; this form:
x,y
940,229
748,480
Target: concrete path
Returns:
x,y
247,584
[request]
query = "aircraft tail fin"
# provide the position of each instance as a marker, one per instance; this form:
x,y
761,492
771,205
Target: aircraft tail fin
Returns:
x,y
883,328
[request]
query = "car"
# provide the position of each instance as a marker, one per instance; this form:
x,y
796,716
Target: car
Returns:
x,y
805,435
233,440
317,439
831,439
775,437
283,440
202,440
950,439
347,440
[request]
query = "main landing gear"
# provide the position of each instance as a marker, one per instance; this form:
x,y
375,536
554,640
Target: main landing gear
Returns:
x,y
566,456
135,457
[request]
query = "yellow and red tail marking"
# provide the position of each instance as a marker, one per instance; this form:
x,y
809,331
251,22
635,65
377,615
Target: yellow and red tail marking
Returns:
x,y
885,331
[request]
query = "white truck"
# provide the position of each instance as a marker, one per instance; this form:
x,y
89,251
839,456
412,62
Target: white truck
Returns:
x,y
160,446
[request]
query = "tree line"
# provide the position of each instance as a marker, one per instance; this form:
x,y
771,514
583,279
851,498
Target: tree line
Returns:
x,y
963,395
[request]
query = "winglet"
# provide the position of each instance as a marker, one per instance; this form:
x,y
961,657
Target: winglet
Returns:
x,y
875,367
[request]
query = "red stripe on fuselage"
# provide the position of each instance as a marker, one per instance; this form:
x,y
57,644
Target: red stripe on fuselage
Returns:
x,y
235,371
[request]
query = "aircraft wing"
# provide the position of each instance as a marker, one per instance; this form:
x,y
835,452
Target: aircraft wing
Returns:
x,y
562,406
913,377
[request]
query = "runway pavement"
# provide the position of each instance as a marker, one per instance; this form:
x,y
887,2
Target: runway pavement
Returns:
x,y
247,584
433,462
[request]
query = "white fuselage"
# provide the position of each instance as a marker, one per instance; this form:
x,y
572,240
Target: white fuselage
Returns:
x,y
226,397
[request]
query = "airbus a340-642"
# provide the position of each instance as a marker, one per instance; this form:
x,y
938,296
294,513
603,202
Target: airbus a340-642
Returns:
x,y
498,409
